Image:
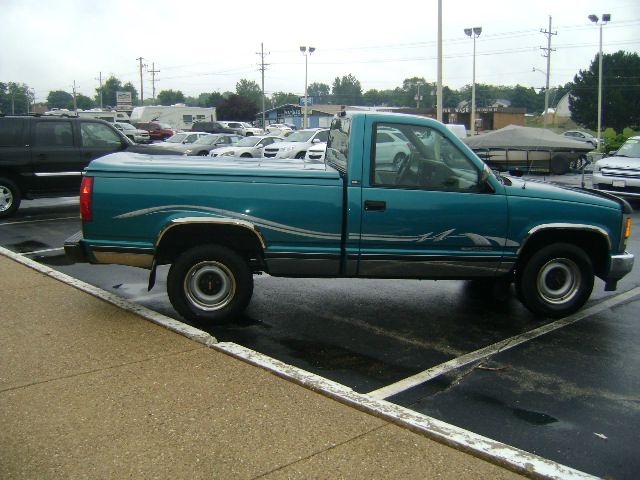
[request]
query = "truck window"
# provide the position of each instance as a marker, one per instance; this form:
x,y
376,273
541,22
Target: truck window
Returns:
x,y
98,135
54,134
12,132
338,143
415,156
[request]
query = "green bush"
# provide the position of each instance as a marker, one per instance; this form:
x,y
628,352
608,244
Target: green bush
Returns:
x,y
613,140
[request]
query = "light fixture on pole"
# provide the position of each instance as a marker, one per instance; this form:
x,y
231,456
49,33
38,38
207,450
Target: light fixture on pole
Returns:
x,y
605,19
306,98
473,33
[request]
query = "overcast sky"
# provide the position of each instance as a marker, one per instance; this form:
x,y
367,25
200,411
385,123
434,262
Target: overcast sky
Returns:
x,y
205,46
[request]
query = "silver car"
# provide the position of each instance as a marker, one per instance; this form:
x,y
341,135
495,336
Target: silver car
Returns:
x,y
248,147
620,173
133,133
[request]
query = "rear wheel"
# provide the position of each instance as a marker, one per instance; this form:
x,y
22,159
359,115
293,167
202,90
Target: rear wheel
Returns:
x,y
10,197
210,283
556,281
559,165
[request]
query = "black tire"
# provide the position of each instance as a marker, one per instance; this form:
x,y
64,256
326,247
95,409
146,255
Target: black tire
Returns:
x,y
556,281
246,155
301,154
10,197
210,284
203,153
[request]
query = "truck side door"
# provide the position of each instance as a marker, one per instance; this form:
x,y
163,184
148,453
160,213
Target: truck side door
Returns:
x,y
426,210
55,156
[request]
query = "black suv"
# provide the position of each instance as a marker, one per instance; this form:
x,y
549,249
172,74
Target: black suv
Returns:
x,y
211,127
45,156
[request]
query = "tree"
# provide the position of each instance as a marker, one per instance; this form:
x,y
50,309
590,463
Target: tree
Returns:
x,y
620,92
320,93
170,97
237,107
250,90
15,97
347,90
109,89
60,99
83,102
281,98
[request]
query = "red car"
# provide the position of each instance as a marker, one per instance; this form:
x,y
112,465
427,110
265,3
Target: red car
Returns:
x,y
157,131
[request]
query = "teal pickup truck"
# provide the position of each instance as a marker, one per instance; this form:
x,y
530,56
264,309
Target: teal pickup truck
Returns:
x,y
399,197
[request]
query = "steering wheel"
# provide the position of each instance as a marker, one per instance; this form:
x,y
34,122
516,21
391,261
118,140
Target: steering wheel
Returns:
x,y
403,169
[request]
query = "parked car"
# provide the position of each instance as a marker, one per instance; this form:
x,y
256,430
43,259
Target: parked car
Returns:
x,y
279,129
157,131
132,133
182,138
620,173
211,127
248,147
392,147
205,144
46,156
582,137
316,153
243,128
297,144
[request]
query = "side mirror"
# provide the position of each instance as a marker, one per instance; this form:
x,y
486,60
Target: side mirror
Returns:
x,y
316,140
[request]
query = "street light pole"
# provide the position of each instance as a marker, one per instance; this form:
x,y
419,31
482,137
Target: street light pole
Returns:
x,y
306,98
606,17
473,33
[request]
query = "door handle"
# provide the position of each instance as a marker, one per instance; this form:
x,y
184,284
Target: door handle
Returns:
x,y
375,205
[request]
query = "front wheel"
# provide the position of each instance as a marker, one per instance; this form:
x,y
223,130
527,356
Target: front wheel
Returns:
x,y
9,197
210,283
556,281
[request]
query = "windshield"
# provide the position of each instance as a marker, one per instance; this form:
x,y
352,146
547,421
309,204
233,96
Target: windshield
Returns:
x,y
247,125
631,148
300,136
127,126
207,140
248,142
165,126
177,138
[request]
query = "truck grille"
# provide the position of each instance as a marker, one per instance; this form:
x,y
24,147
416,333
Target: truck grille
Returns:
x,y
620,172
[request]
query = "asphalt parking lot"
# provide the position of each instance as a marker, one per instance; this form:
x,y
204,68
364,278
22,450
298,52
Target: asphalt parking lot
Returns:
x,y
567,390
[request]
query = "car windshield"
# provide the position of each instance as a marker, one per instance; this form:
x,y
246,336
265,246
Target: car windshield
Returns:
x,y
177,138
247,125
207,139
631,148
127,126
248,142
300,136
165,126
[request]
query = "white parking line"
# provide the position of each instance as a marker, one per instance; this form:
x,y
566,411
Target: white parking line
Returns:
x,y
76,217
496,452
46,250
503,345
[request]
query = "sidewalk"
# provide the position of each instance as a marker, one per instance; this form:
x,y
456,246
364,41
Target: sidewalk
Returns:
x,y
89,390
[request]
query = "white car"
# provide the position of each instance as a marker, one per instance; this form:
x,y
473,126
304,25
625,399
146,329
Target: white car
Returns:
x,y
279,129
181,138
392,147
133,133
620,173
582,137
297,144
248,147
242,128
316,153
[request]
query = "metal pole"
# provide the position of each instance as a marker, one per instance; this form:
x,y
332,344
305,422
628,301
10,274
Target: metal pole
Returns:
x,y
141,84
546,91
473,91
306,100
600,89
439,86
264,123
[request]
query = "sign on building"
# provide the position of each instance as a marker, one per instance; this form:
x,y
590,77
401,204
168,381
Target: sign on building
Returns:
x,y
309,101
123,101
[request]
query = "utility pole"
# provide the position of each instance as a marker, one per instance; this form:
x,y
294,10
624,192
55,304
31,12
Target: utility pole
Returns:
x,y
263,67
153,72
439,79
141,83
100,80
75,104
548,51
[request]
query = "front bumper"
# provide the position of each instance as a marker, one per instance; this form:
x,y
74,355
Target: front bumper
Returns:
x,y
619,266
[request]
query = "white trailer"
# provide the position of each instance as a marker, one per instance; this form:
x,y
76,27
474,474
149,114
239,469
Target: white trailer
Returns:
x,y
180,117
